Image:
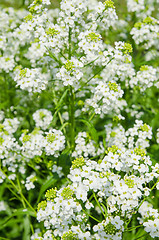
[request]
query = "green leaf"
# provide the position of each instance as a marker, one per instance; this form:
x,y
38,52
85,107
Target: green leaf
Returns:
x,y
20,211
62,98
26,234
91,128
48,183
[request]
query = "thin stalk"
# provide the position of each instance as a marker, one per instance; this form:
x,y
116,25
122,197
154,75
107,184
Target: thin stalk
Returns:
x,y
106,213
32,229
60,118
19,191
54,57
2,238
69,42
71,99
98,204
90,62
18,197
146,196
90,79
90,216
72,117
132,228
141,236
63,127
93,76
92,116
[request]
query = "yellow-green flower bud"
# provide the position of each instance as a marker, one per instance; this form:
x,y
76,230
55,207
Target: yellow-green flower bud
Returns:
x,y
109,4
78,163
51,194
110,229
93,37
67,193
113,86
69,236
42,205
52,31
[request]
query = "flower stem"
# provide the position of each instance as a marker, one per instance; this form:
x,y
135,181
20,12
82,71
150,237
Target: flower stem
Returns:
x,y
20,192
72,117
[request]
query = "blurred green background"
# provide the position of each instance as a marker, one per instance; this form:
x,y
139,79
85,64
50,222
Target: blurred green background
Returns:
x,y
24,3
54,3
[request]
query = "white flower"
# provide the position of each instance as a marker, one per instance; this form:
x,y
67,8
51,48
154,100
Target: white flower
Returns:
x,y
31,80
42,118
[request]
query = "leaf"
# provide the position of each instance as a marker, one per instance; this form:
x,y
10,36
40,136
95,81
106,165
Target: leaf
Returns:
x,y
49,182
61,99
65,161
26,234
20,211
91,129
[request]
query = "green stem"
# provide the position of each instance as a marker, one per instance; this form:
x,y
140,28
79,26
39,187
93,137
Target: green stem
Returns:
x,y
63,127
93,76
92,116
69,41
98,204
133,228
71,99
141,236
90,216
19,191
60,118
147,196
54,57
90,79
32,229
18,197
2,238
72,117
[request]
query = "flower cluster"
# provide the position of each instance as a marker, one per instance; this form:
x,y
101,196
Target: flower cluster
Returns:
x,y
141,8
70,73
31,80
85,146
146,32
34,143
106,98
104,181
42,118
145,78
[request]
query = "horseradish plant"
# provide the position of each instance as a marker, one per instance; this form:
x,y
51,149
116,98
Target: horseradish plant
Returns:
x,y
66,134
